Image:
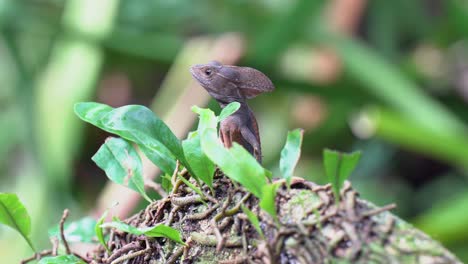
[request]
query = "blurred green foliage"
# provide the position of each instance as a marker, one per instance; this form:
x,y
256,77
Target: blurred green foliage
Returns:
x,y
401,96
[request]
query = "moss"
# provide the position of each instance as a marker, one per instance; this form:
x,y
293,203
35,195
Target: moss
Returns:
x,y
300,206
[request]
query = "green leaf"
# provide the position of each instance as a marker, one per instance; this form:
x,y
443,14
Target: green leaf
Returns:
x,y
156,151
166,182
93,113
291,153
457,14
146,128
201,165
164,231
268,199
117,224
66,259
230,109
77,231
236,162
159,156
99,232
268,174
247,171
445,218
122,165
208,119
401,130
14,214
155,231
253,220
338,167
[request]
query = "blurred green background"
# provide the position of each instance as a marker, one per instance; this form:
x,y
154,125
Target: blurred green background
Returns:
x,y
387,77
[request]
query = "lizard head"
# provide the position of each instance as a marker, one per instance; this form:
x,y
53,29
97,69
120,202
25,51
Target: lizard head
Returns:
x,y
218,80
206,74
228,83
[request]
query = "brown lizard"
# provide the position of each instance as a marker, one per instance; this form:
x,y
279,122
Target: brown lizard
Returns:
x,y
227,84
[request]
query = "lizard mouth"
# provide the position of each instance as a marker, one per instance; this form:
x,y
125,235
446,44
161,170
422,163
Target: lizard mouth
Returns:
x,y
198,75
194,70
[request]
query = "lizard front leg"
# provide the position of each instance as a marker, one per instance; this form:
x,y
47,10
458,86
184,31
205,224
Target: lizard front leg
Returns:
x,y
220,135
226,137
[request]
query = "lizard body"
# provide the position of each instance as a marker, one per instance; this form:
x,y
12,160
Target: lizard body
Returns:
x,y
229,84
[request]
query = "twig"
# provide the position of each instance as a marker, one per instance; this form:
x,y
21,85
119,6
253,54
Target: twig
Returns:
x,y
182,201
176,170
237,207
81,257
354,238
202,215
131,255
210,240
156,187
214,223
339,235
211,198
378,210
110,242
118,253
170,218
234,261
62,233
245,245
187,248
148,247
176,255
224,223
160,250
148,214
37,256
55,244
350,203
219,236
183,172
387,227
160,208
305,233
176,185
226,203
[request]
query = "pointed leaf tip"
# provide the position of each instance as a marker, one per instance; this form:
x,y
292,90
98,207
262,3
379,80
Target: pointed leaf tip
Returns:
x,y
230,109
14,214
122,164
291,153
338,167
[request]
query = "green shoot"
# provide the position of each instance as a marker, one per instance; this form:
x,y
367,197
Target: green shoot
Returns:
x,y
290,154
338,167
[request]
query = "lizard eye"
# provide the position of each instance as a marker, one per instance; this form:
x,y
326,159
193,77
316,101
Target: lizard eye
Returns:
x,y
208,72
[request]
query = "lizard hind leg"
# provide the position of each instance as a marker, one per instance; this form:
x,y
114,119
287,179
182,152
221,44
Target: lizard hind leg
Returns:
x,y
252,140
